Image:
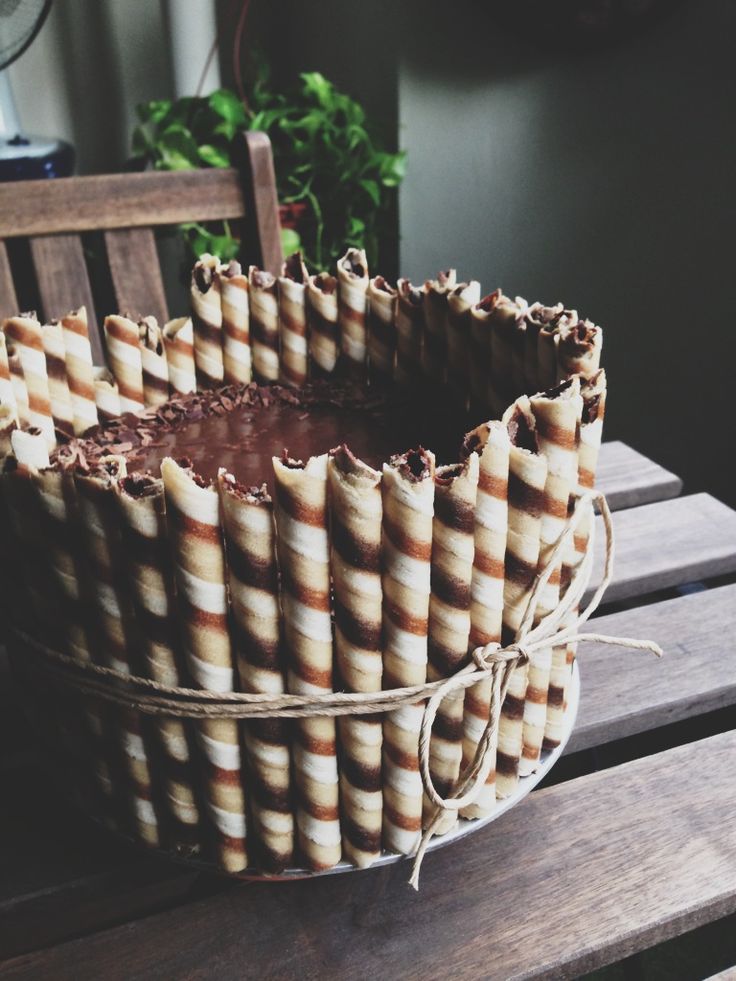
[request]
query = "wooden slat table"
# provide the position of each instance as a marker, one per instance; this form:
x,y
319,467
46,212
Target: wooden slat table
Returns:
x,y
585,872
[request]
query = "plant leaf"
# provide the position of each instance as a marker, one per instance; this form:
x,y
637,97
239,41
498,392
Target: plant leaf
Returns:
x,y
214,156
290,241
227,105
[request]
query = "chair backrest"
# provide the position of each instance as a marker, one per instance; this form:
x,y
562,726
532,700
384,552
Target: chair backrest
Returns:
x,y
126,208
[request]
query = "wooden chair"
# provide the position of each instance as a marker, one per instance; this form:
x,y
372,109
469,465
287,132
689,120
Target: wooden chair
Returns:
x,y
126,208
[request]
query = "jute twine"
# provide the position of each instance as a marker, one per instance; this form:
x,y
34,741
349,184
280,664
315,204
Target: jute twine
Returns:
x,y
559,628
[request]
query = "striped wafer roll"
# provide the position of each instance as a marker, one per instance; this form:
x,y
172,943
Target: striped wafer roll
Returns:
x,y
408,509
124,359
503,323
518,349
304,560
59,394
195,535
8,424
527,477
30,448
293,321
204,293
236,354
27,338
107,396
143,527
18,384
264,324
381,329
178,338
323,325
557,415
578,349
491,442
536,318
481,320
456,488
78,356
7,395
410,327
460,300
153,362
353,279
434,347
550,319
355,519
247,515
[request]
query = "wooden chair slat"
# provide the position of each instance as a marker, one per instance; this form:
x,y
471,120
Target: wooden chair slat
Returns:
x,y
260,181
629,479
79,204
136,273
626,692
8,299
63,281
514,900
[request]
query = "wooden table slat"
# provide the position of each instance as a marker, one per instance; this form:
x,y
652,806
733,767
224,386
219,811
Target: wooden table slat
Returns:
x,y
629,479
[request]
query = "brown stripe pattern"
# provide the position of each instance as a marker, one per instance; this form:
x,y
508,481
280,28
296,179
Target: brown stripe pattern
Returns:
x,y
408,509
353,280
381,329
78,356
434,346
293,321
304,559
206,305
410,328
195,535
355,558
59,395
323,323
234,300
460,300
107,396
178,338
153,362
264,324
247,515
7,396
27,338
124,359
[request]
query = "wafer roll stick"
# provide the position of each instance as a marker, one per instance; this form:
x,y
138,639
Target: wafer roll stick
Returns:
x,y
78,356
107,396
460,300
381,329
557,416
178,338
27,338
491,442
527,477
236,353
578,349
323,325
456,488
143,526
195,534
30,449
481,320
293,321
18,384
537,317
59,395
264,324
355,513
8,424
550,319
124,358
7,395
434,346
410,328
408,509
353,280
304,560
518,350
503,324
153,362
204,293
247,515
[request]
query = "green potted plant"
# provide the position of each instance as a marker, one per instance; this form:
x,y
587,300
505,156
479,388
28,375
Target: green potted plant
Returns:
x,y
335,181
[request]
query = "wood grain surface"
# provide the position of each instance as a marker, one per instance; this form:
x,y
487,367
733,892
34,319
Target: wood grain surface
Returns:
x,y
262,216
8,299
136,273
629,478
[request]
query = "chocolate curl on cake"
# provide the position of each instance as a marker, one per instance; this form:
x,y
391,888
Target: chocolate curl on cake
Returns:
x,y
153,362
204,293
323,325
408,509
24,332
456,488
79,371
578,349
264,324
59,394
124,358
504,323
195,535
293,320
410,328
434,348
527,478
353,280
236,354
355,517
178,338
557,415
381,329
491,442
460,301
247,515
107,396
8,425
7,395
150,574
18,384
304,560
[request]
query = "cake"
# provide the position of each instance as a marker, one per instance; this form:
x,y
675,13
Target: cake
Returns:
x,y
316,483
